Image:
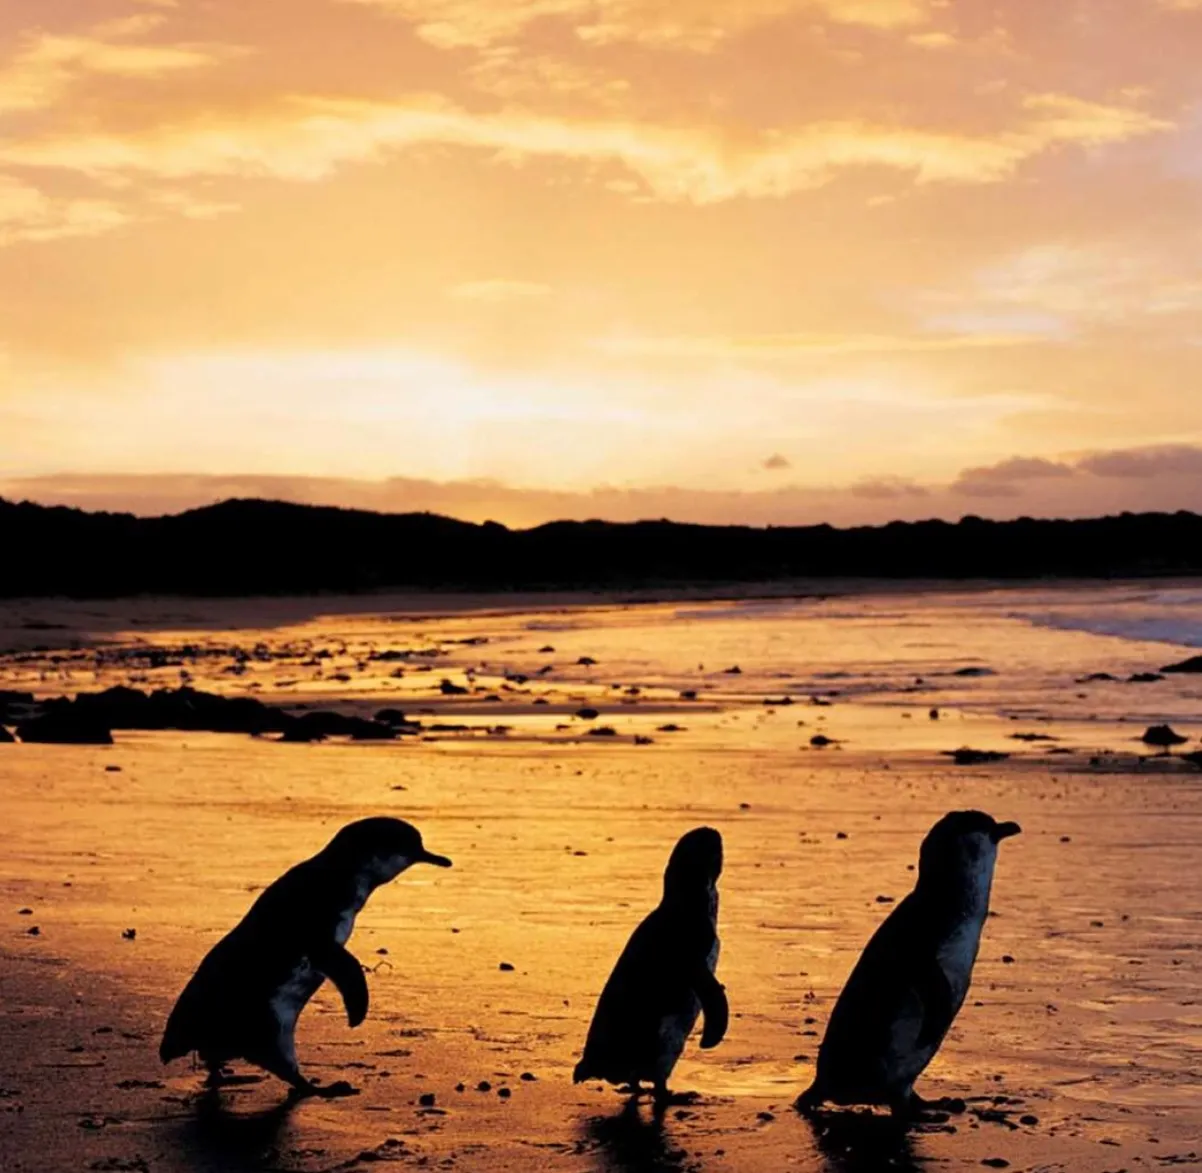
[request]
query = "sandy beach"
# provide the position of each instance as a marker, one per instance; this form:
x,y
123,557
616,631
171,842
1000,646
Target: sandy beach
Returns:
x,y
1080,1045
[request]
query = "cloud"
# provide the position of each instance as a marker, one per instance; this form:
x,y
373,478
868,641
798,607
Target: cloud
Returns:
x,y
888,489
1009,477
511,73
28,214
776,462
45,66
1062,118
778,346
1055,289
696,25
1159,461
933,40
498,290
309,138
1003,479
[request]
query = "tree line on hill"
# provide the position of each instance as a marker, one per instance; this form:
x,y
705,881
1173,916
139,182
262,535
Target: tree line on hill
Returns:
x,y
243,547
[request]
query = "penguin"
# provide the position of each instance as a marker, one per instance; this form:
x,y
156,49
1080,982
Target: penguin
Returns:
x,y
664,979
912,978
244,1000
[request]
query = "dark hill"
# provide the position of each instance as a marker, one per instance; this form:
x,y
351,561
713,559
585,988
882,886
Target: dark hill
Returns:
x,y
271,547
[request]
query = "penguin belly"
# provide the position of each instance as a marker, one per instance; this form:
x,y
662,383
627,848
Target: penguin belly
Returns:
x,y
674,1029
293,994
955,955
286,1004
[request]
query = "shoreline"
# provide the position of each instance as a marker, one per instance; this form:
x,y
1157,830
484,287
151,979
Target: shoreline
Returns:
x,y
54,622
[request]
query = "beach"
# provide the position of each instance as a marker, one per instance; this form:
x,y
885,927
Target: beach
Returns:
x,y
1079,1047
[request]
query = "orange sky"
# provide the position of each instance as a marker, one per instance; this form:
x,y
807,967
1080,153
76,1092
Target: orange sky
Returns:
x,y
774,260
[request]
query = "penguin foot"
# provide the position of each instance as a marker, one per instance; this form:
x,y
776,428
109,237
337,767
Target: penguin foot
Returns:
x,y
335,1091
323,1091
220,1077
918,1110
669,1099
950,1104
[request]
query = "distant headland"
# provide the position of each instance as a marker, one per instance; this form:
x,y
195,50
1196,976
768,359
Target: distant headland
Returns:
x,y
254,547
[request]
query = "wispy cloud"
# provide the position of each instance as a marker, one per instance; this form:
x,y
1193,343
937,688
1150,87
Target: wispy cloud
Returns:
x,y
29,214
309,138
699,25
45,66
770,347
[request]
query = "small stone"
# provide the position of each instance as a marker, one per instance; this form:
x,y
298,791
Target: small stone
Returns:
x,y
129,934
527,1077
484,1086
505,967
426,1099
1007,959
504,1093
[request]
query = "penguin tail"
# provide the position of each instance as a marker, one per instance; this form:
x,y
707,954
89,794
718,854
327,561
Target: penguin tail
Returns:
x,y
177,1041
171,1048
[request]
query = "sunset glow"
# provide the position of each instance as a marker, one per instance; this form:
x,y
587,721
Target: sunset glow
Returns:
x,y
775,261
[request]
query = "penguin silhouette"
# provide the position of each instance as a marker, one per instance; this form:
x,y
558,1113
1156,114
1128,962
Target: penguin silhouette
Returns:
x,y
244,1000
912,978
664,979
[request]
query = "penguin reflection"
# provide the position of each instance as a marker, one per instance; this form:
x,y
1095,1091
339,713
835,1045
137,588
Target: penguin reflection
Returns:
x,y
245,998
858,1142
913,975
235,1142
632,1143
663,979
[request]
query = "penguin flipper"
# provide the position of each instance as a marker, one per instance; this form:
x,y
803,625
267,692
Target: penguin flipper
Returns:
x,y
343,969
938,1002
714,1006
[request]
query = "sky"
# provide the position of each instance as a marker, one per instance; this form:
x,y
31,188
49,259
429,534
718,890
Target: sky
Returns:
x,y
774,261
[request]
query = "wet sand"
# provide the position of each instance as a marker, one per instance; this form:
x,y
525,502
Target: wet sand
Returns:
x,y
1080,1046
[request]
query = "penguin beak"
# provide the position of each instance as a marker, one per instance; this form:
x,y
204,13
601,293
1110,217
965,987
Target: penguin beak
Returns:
x,y
1005,831
439,861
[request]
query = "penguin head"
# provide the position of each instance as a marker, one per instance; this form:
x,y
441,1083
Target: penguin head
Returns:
x,y
382,847
963,843
696,861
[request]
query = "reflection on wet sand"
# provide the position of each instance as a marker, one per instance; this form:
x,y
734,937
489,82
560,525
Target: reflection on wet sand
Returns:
x,y
862,1142
214,1137
633,1141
